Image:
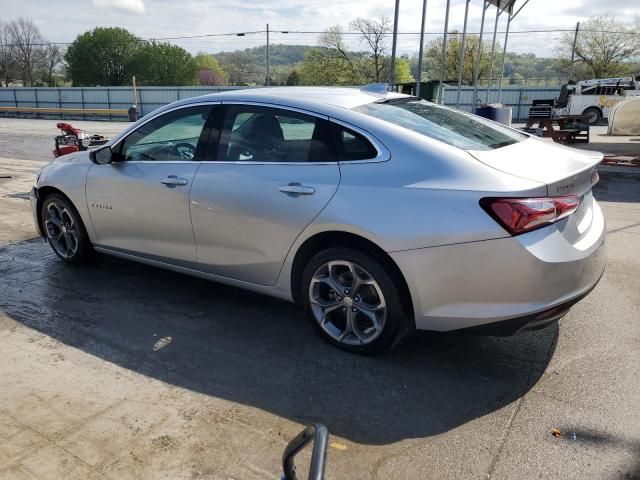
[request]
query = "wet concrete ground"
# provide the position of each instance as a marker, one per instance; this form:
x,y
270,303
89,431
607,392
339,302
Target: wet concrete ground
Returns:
x,y
118,370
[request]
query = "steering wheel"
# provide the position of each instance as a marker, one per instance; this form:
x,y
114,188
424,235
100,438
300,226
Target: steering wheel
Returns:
x,y
185,151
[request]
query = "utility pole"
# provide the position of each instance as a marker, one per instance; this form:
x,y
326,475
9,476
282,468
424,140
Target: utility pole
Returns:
x,y
573,51
392,69
476,73
268,72
421,53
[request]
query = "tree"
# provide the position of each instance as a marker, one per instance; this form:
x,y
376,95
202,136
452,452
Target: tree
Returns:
x,y
236,66
322,66
374,34
52,56
27,41
102,56
157,63
433,56
293,78
335,47
8,58
604,45
403,71
209,70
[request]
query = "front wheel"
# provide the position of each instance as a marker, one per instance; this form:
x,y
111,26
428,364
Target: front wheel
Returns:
x,y
64,230
353,301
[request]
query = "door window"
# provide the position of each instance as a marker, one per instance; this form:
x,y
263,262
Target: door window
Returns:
x,y
174,136
263,134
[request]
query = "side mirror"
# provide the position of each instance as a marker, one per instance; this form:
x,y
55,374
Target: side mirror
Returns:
x,y
101,156
319,435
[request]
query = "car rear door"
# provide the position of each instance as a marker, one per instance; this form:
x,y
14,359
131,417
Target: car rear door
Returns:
x,y
139,203
268,174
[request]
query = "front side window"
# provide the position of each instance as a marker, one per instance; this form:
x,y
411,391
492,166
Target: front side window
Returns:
x,y
173,136
450,126
264,134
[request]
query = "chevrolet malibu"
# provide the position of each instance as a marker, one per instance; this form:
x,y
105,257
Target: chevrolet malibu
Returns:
x,y
379,213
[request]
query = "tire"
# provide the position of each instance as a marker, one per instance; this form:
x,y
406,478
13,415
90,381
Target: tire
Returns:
x,y
330,304
64,230
593,115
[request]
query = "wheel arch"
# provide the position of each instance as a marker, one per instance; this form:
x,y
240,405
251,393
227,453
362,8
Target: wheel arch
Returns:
x,y
330,239
44,192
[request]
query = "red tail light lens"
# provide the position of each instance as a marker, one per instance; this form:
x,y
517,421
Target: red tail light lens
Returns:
x,y
520,215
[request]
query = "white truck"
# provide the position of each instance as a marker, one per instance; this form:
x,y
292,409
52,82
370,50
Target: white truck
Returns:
x,y
594,98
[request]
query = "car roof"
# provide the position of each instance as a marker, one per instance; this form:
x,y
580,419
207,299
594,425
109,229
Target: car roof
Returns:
x,y
305,97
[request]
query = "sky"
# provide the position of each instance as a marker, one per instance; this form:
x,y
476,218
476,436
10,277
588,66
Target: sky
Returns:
x,y
62,22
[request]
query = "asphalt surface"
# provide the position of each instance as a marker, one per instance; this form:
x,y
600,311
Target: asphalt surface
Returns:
x,y
119,370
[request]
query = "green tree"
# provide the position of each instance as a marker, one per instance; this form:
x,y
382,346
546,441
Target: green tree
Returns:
x,y
293,78
403,71
605,46
164,64
323,66
102,56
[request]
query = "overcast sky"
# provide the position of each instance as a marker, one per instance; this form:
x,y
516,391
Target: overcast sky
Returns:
x,y
62,21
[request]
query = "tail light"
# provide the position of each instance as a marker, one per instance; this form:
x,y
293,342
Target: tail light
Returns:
x,y
520,215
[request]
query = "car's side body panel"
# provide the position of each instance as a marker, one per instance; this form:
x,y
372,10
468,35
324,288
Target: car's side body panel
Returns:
x,y
244,225
132,210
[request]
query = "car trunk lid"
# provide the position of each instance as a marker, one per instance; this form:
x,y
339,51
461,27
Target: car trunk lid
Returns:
x,y
565,171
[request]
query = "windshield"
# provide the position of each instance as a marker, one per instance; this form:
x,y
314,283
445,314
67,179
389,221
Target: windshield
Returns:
x,y
450,126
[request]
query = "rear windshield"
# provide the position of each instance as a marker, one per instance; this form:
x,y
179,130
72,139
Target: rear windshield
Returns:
x,y
454,127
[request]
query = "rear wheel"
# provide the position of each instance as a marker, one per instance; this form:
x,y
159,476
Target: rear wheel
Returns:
x,y
593,115
353,301
64,230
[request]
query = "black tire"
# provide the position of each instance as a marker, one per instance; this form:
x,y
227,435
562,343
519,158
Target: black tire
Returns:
x,y
593,115
396,323
83,249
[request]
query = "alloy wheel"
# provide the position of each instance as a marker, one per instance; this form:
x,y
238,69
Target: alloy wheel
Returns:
x,y
347,302
60,227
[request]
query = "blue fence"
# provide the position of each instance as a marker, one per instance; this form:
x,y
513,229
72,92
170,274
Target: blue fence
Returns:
x,y
149,98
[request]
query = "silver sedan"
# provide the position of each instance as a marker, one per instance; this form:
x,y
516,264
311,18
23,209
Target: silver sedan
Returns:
x,y
379,213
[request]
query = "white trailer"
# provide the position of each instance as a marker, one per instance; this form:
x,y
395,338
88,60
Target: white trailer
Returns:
x,y
594,98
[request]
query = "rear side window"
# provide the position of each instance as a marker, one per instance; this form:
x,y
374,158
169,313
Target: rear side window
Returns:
x,y
352,145
264,134
450,126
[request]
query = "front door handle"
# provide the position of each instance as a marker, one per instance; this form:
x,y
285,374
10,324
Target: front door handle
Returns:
x,y
173,181
297,189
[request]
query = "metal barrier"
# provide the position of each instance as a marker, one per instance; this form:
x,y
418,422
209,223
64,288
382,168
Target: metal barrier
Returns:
x,y
68,111
87,100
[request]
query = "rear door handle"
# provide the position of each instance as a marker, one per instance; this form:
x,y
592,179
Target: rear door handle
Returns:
x,y
297,189
173,181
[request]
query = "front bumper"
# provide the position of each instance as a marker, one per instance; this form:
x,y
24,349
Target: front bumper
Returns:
x,y
529,280
33,199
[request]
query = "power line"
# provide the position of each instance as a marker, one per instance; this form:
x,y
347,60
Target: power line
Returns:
x,y
318,32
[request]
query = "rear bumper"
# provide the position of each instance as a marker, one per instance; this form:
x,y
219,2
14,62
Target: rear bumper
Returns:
x,y
522,282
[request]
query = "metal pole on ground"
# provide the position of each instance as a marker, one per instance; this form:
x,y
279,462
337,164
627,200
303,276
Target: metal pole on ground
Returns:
x,y
268,72
443,59
461,67
504,54
476,74
573,51
421,50
493,49
392,68
506,39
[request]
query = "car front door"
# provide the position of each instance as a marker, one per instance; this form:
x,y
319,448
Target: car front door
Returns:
x,y
139,203
268,175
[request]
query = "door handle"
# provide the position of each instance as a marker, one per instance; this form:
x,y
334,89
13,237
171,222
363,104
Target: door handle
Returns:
x,y
173,180
297,189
